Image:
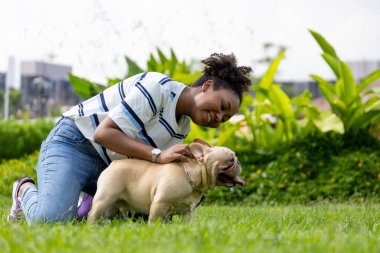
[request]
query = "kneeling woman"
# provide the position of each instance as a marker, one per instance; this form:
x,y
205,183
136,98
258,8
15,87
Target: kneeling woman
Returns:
x,y
146,116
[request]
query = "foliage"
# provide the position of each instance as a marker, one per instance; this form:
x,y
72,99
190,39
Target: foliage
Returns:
x,y
323,166
296,228
274,119
226,135
346,97
83,87
271,116
14,169
180,71
18,138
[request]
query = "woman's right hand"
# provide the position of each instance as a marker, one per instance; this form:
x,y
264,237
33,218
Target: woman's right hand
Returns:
x,y
178,152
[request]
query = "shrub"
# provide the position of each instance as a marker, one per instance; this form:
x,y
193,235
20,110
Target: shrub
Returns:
x,y
18,138
13,169
329,166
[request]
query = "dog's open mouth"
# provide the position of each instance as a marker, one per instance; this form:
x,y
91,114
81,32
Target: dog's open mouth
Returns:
x,y
230,181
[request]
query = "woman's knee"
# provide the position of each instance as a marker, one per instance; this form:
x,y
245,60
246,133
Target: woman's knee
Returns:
x,y
52,215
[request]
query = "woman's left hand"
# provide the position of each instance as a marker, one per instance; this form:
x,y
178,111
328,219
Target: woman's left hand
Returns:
x,y
178,152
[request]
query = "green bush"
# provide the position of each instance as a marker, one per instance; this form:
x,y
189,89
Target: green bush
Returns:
x,y
18,138
328,166
322,167
13,169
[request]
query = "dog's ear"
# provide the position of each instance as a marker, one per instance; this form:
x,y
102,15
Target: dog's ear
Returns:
x,y
198,150
202,142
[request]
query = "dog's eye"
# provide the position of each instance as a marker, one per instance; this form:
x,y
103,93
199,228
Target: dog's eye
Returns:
x,y
232,160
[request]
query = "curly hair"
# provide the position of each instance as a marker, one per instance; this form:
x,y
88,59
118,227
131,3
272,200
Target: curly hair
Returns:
x,y
225,73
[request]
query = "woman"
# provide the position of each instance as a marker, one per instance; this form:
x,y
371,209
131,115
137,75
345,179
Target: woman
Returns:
x,y
146,116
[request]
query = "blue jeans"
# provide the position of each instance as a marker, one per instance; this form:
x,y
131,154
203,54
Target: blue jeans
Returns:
x,y
67,165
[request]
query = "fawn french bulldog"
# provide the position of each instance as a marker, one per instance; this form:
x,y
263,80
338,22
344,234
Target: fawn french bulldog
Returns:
x,y
162,189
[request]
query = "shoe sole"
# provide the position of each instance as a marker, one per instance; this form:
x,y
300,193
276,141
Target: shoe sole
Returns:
x,y
18,215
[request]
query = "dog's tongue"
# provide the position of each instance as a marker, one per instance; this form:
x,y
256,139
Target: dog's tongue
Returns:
x,y
237,180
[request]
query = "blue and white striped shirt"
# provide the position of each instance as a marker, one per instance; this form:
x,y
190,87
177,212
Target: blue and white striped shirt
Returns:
x,y
143,106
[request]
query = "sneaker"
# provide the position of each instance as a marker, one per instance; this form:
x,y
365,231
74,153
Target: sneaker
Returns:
x,y
16,210
84,206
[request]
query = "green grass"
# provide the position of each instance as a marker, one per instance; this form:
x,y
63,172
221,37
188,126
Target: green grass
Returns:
x,y
323,227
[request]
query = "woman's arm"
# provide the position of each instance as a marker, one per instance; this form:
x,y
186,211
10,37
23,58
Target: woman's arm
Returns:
x,y
110,136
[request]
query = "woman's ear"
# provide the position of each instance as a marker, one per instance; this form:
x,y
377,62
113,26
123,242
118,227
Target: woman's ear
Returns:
x,y
198,150
206,85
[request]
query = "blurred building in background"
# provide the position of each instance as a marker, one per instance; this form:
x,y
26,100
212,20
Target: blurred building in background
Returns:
x,y
44,87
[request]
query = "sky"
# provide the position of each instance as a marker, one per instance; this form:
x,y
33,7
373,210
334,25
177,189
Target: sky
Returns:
x,y
93,36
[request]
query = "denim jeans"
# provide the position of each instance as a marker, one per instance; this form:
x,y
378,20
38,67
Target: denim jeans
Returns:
x,y
67,165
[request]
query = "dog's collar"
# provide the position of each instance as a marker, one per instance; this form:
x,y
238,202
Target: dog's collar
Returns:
x,y
191,182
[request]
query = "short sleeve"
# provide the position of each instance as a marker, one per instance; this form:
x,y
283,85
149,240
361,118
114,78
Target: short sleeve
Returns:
x,y
140,105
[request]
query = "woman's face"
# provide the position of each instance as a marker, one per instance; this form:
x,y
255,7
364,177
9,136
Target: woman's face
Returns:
x,y
212,107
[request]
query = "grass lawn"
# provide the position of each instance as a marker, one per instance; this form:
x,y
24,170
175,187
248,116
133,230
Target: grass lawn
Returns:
x,y
323,227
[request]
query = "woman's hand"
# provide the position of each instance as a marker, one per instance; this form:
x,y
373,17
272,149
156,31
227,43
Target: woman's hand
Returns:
x,y
178,152
109,135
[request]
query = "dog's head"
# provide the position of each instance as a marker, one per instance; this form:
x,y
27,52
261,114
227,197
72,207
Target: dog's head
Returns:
x,y
221,163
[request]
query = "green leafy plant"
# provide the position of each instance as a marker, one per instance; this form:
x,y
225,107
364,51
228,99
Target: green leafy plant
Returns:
x,y
274,118
346,96
225,135
180,71
83,87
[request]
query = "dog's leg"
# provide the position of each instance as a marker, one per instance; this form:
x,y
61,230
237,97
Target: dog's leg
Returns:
x,y
98,209
101,202
110,212
157,210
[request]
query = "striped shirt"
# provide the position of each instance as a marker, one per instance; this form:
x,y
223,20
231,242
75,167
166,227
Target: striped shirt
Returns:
x,y
144,108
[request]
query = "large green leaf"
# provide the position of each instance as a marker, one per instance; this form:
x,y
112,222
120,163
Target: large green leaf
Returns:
x,y
327,121
339,106
352,117
281,102
339,88
173,63
365,119
133,68
375,90
327,89
83,87
303,99
162,57
348,83
152,63
333,63
368,80
268,77
372,103
326,47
